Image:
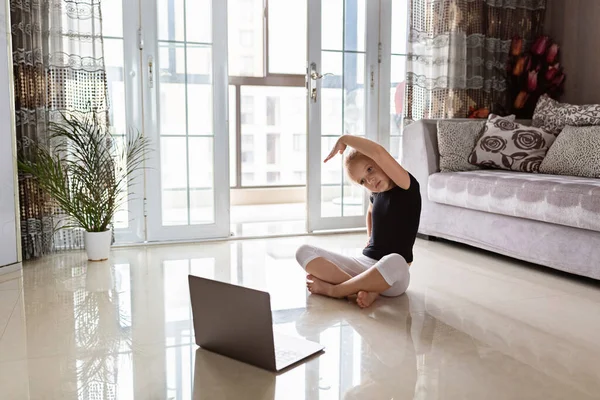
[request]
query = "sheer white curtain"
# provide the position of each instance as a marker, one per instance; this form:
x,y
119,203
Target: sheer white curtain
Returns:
x,y
58,67
457,53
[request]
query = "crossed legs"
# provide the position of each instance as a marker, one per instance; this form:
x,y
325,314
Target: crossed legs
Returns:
x,y
336,275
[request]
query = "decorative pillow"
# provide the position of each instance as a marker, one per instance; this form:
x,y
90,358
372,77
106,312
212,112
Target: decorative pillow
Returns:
x,y
552,116
575,152
456,140
509,145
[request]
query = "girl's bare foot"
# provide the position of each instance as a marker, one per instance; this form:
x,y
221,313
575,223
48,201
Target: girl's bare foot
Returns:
x,y
317,286
365,299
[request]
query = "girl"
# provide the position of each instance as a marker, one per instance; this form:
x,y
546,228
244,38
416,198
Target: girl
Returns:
x,y
392,224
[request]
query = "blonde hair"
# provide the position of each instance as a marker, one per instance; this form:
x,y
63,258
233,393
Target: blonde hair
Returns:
x,y
353,156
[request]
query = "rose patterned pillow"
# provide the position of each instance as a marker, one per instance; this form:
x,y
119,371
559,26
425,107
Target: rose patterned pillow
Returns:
x,y
509,145
456,140
552,116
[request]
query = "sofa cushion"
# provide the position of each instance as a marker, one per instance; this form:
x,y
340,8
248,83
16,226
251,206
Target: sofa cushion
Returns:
x,y
575,152
456,140
565,200
552,116
509,145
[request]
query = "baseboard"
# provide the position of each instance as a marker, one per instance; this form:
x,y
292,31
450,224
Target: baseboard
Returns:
x,y
9,269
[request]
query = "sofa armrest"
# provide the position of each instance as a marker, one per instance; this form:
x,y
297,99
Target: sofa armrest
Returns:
x,y
420,155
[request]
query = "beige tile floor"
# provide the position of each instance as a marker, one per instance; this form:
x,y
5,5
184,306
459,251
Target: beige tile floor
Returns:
x,y
472,325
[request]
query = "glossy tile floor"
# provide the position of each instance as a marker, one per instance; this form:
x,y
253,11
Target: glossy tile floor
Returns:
x,y
472,326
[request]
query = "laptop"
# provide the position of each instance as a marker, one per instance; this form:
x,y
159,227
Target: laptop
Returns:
x,y
236,322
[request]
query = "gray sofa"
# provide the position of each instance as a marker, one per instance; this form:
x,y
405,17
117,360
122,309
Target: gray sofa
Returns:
x,y
544,219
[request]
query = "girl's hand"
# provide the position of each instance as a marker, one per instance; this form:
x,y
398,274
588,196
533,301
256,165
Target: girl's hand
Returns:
x,y
339,147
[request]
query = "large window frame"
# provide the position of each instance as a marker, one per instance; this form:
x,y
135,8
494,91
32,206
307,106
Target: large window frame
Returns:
x,y
268,79
135,77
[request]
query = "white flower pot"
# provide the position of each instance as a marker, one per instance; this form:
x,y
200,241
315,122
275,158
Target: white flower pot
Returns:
x,y
97,245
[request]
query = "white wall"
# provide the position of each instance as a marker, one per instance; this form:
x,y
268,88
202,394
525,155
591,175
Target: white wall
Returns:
x,y
8,222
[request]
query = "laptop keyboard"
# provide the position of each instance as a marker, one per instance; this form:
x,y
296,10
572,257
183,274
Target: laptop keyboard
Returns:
x,y
283,356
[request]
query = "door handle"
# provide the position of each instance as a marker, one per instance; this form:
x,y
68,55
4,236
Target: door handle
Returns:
x,y
150,71
314,77
314,74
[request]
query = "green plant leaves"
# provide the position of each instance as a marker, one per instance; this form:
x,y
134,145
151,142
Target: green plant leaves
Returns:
x,y
84,171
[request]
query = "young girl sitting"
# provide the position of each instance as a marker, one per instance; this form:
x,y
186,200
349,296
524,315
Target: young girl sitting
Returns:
x,y
392,224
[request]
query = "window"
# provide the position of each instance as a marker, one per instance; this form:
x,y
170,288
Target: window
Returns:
x,y
245,19
115,62
396,146
272,148
272,111
333,176
245,9
247,110
262,44
287,36
246,38
273,177
398,77
300,177
247,149
248,178
299,142
246,65
232,137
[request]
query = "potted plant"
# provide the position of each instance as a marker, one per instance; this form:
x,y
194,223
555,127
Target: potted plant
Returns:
x,y
87,174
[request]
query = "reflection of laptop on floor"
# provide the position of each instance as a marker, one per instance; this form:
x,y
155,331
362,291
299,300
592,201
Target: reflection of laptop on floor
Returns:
x,y
236,322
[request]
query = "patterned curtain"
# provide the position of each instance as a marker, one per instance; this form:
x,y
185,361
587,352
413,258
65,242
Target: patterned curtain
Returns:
x,y
458,51
58,67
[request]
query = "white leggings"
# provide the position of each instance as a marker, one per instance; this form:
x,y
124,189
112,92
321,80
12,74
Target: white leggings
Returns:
x,y
392,267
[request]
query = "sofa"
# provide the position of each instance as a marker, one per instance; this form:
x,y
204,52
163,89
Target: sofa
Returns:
x,y
550,220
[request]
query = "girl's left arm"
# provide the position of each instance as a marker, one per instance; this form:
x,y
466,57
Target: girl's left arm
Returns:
x,y
377,153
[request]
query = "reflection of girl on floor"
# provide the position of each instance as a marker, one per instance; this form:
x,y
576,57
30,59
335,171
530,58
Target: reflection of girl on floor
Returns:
x,y
393,339
392,224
